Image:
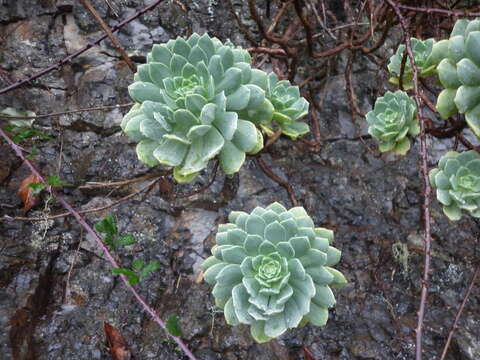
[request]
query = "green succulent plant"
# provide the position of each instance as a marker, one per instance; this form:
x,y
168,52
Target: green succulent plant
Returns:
x,y
188,96
199,98
459,73
457,180
287,106
272,270
421,52
391,120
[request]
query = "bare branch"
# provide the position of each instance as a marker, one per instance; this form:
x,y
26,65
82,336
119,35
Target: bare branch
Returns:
x,y
69,58
106,107
459,312
277,179
100,244
88,5
426,182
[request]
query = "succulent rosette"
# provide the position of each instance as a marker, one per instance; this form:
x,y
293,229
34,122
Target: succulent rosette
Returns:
x,y
391,120
287,106
459,73
457,181
421,52
188,96
271,269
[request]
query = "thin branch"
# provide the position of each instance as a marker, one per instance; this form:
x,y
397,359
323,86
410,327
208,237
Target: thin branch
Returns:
x,y
100,244
340,27
273,138
429,104
467,143
426,182
313,8
69,58
278,15
106,107
355,44
266,50
459,313
256,17
456,13
95,185
378,43
88,5
86,211
355,110
279,181
306,25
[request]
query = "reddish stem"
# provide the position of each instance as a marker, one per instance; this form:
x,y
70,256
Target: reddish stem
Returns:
x,y
100,244
459,313
426,182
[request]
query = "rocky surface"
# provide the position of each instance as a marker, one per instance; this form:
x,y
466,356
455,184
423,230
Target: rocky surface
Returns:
x,y
56,290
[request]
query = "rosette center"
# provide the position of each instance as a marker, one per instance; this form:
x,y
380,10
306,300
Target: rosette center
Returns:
x,y
271,270
469,183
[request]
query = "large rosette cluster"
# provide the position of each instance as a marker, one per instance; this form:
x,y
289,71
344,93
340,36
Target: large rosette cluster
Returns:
x,y
458,69
197,98
391,120
457,180
272,270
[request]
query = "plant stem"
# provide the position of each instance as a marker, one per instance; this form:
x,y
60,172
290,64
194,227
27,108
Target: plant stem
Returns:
x,y
100,244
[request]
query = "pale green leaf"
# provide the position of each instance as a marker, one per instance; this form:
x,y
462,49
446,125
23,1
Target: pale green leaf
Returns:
x,y
231,158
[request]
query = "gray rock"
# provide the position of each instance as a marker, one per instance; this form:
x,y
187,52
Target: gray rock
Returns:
x,y
54,299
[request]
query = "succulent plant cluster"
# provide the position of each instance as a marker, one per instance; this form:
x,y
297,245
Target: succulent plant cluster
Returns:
x,y
287,105
421,52
197,98
457,181
458,69
272,270
391,120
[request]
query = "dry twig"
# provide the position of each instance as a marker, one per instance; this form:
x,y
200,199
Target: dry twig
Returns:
x,y
277,179
456,13
87,211
426,182
105,107
306,25
94,185
69,58
459,313
100,244
88,5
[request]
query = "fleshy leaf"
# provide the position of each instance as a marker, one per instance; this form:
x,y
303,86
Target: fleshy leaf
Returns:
x,y
145,149
170,152
275,233
318,315
143,91
258,333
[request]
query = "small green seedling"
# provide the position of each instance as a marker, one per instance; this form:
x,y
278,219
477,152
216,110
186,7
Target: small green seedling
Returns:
x,y
139,268
54,181
108,227
173,326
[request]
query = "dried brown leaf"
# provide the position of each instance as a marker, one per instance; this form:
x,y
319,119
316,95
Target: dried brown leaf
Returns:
x,y
25,192
117,344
